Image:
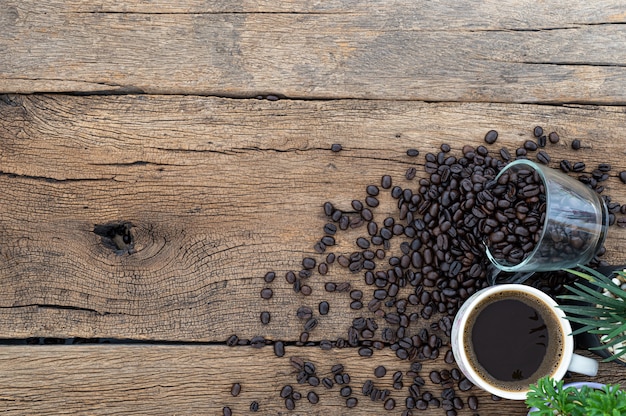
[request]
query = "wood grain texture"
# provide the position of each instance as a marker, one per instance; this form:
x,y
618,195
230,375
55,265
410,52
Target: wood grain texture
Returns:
x,y
220,191
193,380
486,51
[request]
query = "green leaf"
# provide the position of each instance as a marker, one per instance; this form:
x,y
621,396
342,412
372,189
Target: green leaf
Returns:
x,y
617,331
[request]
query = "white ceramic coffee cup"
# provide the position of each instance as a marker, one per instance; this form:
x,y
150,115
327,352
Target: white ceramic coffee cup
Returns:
x,y
569,360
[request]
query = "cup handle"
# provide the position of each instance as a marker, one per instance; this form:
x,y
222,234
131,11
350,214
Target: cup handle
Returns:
x,y
583,365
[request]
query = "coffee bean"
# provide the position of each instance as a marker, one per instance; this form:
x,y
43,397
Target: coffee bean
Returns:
x,y
345,391
380,371
265,317
385,181
491,136
410,173
575,144
279,349
412,152
578,167
328,209
226,411
372,190
622,176
312,397
435,377
365,352
306,290
472,402
530,146
542,141
235,389
421,404
254,406
267,293
390,404
351,402
308,263
310,324
458,403
290,404
269,277
371,202
304,312
543,157
232,340
336,147
538,131
553,137
465,384
363,243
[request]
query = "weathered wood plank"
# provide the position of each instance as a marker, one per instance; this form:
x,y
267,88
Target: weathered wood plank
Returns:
x,y
437,51
219,192
147,380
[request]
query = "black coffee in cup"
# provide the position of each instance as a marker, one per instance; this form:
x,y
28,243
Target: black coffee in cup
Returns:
x,y
513,339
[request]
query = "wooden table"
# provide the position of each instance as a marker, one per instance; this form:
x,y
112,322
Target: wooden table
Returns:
x,y
206,127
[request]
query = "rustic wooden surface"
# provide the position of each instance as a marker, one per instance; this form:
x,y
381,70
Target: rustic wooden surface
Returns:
x,y
221,187
193,380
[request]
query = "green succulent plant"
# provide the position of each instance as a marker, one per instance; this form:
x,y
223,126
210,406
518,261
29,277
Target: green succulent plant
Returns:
x,y
549,398
604,309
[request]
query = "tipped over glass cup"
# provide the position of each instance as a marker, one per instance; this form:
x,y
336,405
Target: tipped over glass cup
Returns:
x,y
574,225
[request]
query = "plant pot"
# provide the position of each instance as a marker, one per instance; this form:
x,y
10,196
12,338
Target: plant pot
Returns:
x,y
578,385
587,340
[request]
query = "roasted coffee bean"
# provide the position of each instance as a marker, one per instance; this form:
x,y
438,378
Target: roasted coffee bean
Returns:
x,y
565,166
322,269
232,340
254,406
365,352
371,202
310,324
390,404
622,176
267,293
465,384
226,411
575,144
553,137
328,241
435,377
304,312
308,263
380,371
412,152
279,349
372,190
542,141
472,402
235,389
312,397
265,317
421,404
269,277
458,403
538,131
306,290
290,404
543,157
323,307
530,146
385,182
362,243
410,173
491,136
578,167
351,402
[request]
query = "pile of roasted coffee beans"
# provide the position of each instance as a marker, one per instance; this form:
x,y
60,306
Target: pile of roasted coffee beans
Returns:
x,y
443,224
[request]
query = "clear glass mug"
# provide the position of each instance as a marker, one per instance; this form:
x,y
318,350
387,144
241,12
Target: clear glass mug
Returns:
x,y
574,229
